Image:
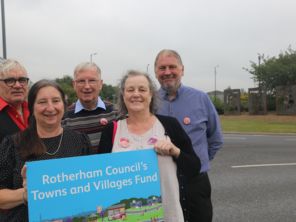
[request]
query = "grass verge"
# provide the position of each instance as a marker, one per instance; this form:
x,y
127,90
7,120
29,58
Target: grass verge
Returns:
x,y
258,124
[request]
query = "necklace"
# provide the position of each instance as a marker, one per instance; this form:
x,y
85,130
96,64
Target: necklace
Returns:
x,y
61,139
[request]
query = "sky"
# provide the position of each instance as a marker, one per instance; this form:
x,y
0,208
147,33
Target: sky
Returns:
x,y
51,37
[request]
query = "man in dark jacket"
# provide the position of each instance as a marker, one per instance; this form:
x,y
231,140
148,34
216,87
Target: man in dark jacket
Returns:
x,y
14,111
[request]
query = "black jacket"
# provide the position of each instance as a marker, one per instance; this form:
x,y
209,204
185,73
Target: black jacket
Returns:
x,y
8,127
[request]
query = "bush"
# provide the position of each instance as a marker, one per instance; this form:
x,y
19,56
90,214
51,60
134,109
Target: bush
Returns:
x,y
219,105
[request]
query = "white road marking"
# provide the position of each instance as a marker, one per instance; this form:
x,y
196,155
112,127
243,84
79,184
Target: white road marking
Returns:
x,y
235,138
264,165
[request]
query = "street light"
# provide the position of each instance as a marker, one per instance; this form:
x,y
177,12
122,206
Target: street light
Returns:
x,y
3,29
91,55
259,63
215,72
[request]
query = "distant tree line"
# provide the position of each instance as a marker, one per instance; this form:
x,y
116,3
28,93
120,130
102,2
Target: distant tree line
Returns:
x,y
268,73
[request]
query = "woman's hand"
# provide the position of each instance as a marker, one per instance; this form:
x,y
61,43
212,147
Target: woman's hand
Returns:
x,y
166,147
10,198
24,176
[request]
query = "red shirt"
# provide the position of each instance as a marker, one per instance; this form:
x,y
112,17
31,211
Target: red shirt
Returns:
x,y
21,122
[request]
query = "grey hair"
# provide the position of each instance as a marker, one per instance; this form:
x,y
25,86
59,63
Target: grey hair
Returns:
x,y
10,64
152,87
86,66
168,52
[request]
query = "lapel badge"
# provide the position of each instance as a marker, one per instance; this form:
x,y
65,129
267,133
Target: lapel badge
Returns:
x,y
186,120
124,142
103,121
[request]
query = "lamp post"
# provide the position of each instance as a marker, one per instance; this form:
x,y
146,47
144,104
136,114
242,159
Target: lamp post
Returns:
x,y
3,29
91,55
259,63
215,73
147,69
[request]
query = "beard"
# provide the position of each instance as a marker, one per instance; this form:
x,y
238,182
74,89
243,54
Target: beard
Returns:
x,y
171,88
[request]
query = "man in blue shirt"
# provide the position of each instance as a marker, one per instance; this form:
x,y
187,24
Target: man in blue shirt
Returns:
x,y
198,116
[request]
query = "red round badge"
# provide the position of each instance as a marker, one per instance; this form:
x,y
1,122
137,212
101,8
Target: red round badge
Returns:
x,y
103,121
124,142
186,120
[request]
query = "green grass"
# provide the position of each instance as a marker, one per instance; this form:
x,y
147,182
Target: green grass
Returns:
x,y
259,124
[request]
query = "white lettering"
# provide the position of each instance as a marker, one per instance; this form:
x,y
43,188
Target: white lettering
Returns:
x,y
38,195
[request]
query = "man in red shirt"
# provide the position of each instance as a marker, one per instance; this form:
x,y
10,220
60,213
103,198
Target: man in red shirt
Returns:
x,y
14,111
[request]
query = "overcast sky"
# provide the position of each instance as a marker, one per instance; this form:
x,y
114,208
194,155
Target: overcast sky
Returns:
x,y
50,37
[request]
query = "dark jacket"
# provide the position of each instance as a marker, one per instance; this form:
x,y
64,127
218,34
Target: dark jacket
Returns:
x,y
8,127
188,164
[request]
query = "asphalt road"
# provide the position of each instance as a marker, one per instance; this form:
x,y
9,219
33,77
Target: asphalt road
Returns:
x,y
254,179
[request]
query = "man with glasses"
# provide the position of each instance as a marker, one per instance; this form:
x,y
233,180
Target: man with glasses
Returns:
x,y
89,114
14,111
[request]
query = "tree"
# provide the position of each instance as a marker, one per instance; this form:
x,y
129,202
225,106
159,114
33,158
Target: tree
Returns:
x,y
109,93
275,71
66,85
219,105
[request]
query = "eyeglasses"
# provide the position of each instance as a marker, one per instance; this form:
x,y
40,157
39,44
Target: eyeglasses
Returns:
x,y
82,82
23,81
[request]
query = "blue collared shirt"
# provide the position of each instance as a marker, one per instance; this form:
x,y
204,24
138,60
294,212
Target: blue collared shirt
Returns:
x,y
198,116
79,106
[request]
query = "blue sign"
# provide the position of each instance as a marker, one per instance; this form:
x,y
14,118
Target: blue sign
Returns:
x,y
115,186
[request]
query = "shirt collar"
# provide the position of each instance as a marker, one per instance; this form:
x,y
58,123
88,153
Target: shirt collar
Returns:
x,y
3,104
79,106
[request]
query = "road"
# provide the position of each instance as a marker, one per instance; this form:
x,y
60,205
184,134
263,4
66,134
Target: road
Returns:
x,y
254,179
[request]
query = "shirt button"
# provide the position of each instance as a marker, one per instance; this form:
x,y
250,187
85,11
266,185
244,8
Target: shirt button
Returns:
x,y
182,187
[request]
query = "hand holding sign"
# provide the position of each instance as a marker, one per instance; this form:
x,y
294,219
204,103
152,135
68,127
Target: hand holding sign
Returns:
x,y
24,176
166,147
